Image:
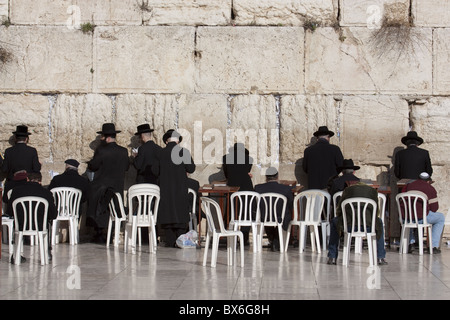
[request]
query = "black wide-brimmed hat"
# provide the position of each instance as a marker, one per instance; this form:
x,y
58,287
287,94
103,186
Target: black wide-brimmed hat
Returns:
x,y
348,164
171,134
21,131
323,131
108,128
412,135
143,128
72,162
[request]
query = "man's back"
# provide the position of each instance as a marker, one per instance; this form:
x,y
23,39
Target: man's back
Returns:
x,y
320,162
20,157
410,162
71,178
275,187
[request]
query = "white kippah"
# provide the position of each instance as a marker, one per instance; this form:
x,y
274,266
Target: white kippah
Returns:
x,y
424,176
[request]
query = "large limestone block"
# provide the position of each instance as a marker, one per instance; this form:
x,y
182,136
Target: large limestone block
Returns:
x,y
441,61
74,121
430,120
361,60
144,59
46,59
287,13
203,122
300,117
372,13
159,111
372,127
249,59
186,12
254,122
30,110
73,13
4,10
434,13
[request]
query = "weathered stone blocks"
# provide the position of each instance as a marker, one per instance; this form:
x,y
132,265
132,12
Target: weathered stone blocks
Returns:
x,y
441,61
249,60
431,14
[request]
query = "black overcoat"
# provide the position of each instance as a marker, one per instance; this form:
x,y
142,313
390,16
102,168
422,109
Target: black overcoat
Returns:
x,y
147,156
71,178
320,163
172,168
409,163
237,165
20,157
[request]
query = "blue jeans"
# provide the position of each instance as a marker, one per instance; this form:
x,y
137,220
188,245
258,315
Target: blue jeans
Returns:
x,y
437,220
333,245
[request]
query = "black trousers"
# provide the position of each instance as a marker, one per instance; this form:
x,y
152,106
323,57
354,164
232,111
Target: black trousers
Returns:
x,y
172,231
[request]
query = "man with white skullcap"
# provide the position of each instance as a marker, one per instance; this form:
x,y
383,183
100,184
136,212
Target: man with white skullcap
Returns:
x,y
437,219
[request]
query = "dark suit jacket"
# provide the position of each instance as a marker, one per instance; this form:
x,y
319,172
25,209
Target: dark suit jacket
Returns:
x,y
236,168
109,164
20,157
274,186
71,178
320,162
411,162
32,189
147,156
339,183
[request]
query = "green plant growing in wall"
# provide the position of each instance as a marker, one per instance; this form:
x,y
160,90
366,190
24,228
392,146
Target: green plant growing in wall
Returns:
x,y
311,25
87,27
6,57
144,6
6,22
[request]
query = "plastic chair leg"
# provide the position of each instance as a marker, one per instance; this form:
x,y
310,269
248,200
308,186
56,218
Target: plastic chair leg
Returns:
x,y
205,254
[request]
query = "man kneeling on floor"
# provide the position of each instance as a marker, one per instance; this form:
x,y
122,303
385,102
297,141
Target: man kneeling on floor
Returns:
x,y
336,225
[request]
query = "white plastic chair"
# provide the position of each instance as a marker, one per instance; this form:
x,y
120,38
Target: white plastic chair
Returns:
x,y
358,208
243,204
30,206
270,202
9,223
192,213
325,222
308,207
216,230
336,197
143,203
116,216
67,202
407,203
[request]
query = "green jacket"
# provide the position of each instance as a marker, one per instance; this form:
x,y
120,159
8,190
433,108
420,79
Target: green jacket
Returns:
x,y
364,191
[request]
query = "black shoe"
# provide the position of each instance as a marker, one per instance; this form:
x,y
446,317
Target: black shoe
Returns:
x,y
331,261
382,262
22,259
436,250
411,247
275,245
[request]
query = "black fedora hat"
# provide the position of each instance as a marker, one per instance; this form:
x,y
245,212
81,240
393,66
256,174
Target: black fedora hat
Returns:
x,y
348,164
323,131
412,135
108,128
143,128
21,131
171,134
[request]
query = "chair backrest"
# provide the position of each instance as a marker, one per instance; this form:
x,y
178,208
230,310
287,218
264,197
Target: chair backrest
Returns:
x,y
358,208
382,205
213,215
245,206
308,205
116,208
143,202
67,201
273,205
30,206
336,197
408,203
193,194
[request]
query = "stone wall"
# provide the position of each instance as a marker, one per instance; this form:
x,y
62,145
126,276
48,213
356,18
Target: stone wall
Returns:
x,y
220,70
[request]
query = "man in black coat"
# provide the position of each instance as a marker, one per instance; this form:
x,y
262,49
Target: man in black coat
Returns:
x,y
321,160
412,161
20,156
71,178
272,185
348,174
146,156
174,162
237,165
109,164
20,178
34,188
